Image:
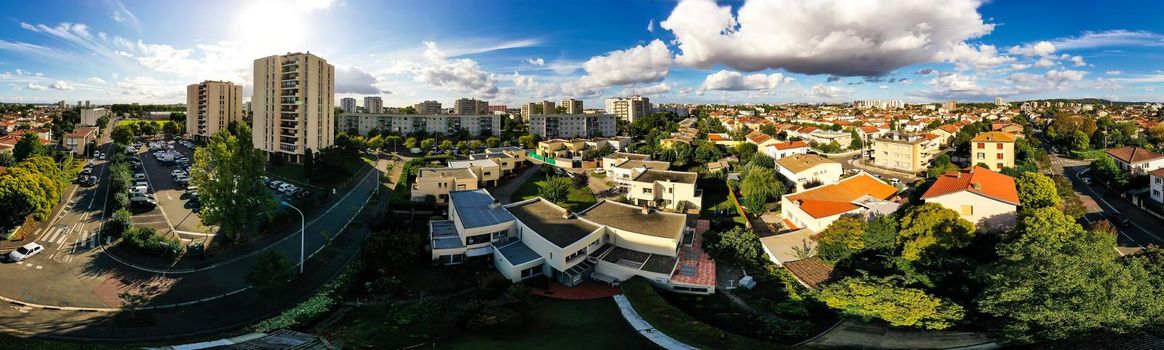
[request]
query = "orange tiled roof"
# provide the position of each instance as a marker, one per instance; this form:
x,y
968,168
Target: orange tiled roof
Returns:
x,y
1133,154
977,180
790,145
717,137
757,137
994,136
829,200
953,129
869,129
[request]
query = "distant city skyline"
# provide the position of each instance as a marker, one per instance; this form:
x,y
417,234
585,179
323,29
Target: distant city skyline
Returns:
x,y
513,52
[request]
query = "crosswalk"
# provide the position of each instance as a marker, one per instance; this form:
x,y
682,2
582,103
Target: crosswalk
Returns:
x,y
56,235
59,234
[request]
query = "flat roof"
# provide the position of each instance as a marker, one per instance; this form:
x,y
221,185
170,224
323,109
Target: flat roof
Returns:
x,y
474,209
550,221
649,164
801,162
444,235
628,156
652,175
460,173
639,260
631,218
515,251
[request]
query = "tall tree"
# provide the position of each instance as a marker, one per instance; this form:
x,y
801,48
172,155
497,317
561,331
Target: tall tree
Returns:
x,y
227,172
1054,280
881,298
931,226
28,146
556,189
1036,191
842,238
122,134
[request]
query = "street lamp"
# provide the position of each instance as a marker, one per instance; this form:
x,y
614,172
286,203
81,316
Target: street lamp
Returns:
x,y
302,232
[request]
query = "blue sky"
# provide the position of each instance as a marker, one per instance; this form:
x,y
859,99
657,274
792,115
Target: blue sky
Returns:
x,y
509,52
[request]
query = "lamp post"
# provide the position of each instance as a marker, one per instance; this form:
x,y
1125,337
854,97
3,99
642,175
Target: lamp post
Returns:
x,y
302,232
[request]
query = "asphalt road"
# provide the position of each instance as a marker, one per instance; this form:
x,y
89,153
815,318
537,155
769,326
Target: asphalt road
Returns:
x,y
1101,201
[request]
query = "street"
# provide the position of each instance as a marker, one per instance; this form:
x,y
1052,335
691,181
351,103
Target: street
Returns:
x,y
1101,201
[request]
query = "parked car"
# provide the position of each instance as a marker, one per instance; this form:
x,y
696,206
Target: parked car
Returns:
x,y
1086,180
303,194
177,172
89,181
181,179
142,202
274,185
25,251
1119,220
895,181
86,171
139,177
101,156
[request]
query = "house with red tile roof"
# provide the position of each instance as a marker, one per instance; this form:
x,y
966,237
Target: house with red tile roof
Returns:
x,y
1136,160
760,139
817,208
981,196
785,149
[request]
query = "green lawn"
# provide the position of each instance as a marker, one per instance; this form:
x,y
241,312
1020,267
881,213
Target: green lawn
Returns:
x,y
296,173
579,198
561,324
548,324
677,324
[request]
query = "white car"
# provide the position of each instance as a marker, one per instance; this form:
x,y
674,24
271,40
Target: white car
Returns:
x,y
25,251
177,172
895,181
181,179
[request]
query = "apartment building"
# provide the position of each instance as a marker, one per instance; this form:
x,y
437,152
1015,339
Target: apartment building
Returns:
x,y
528,109
572,106
993,148
373,104
905,152
465,106
79,139
294,101
348,105
878,104
608,242
1156,184
444,124
549,108
664,189
89,116
428,107
211,106
551,126
629,109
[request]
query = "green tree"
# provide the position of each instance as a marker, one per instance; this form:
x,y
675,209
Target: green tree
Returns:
x,y
410,142
682,153
556,189
28,146
738,246
881,298
841,239
1054,280
758,186
1080,141
1105,169
170,127
462,146
148,128
427,144
929,226
492,141
122,134
446,145
745,150
118,223
7,159
707,152
227,172
1036,191
881,233
270,274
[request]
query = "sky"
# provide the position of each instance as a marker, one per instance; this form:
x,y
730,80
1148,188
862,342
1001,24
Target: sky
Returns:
x,y
512,51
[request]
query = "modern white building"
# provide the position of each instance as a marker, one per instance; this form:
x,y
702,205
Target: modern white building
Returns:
x,y
444,124
568,126
803,169
373,104
664,189
348,105
629,109
608,242
1156,184
1136,160
294,99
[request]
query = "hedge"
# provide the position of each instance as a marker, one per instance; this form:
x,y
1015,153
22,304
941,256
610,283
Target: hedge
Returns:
x,y
673,322
314,308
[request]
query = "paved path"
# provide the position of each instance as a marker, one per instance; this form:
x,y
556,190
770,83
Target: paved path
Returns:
x,y
503,192
640,325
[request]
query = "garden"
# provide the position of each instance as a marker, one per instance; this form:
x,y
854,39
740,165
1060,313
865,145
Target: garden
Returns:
x,y
570,192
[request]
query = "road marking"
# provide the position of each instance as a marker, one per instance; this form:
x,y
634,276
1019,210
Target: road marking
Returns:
x,y
38,267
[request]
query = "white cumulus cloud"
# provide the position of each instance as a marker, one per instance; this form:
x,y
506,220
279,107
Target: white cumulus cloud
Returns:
x,y
640,64
839,37
355,81
61,85
735,81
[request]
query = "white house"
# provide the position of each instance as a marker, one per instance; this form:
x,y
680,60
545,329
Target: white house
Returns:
x,y
1135,160
817,208
784,149
608,242
802,169
671,190
1156,183
983,197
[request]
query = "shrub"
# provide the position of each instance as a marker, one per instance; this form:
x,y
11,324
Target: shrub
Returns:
x,y
271,273
149,241
315,307
120,222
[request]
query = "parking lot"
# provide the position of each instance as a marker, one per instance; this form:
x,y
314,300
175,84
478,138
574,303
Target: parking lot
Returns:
x,y
174,204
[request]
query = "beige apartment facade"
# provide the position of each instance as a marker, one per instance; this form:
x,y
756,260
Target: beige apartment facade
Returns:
x,y
629,109
993,148
905,152
572,106
293,105
211,106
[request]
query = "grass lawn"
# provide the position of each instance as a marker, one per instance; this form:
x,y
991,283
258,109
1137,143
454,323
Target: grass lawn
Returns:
x,y
548,324
579,198
561,324
675,323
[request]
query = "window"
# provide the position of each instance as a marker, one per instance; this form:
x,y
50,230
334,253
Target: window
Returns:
x,y
999,156
1155,193
575,255
646,191
999,145
999,166
981,155
500,234
1158,180
967,210
478,239
531,272
981,145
